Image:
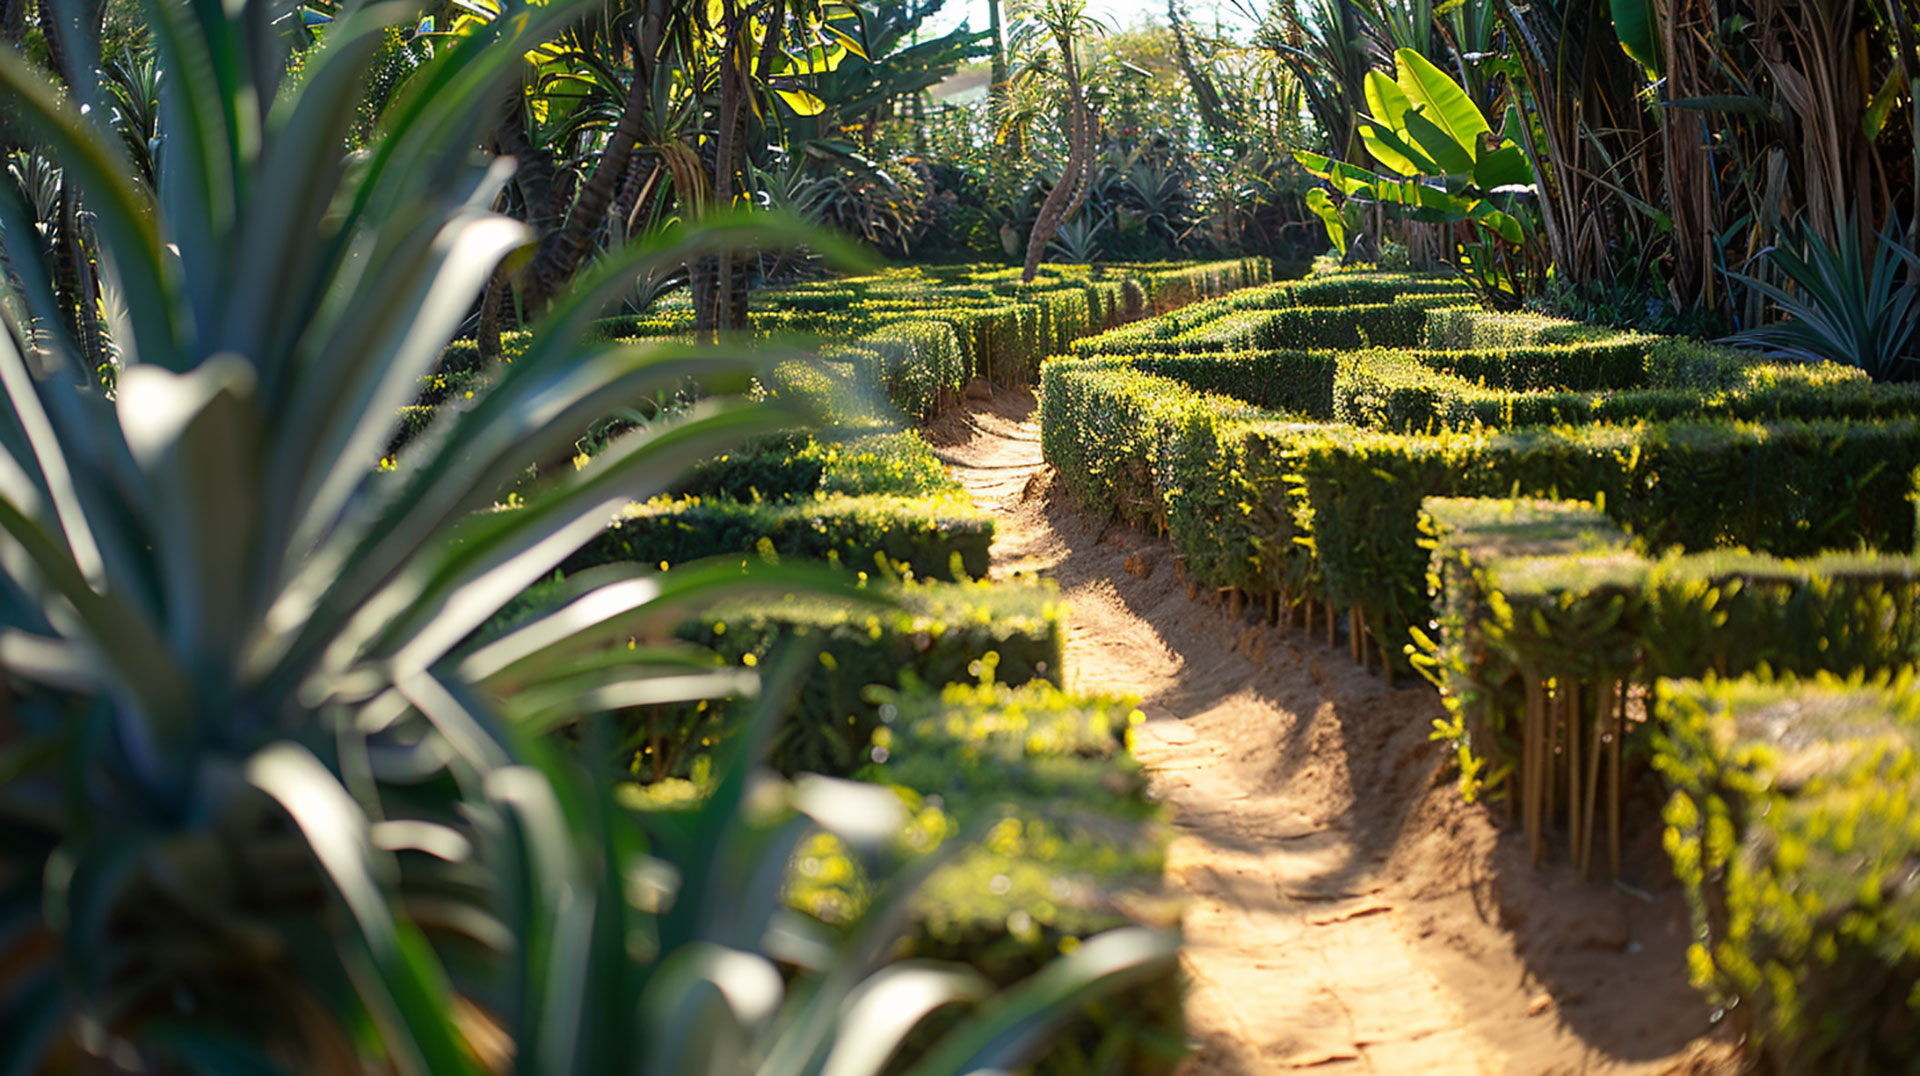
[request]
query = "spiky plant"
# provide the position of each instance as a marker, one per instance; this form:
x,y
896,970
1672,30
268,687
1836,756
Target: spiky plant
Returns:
x,y
1849,305
264,807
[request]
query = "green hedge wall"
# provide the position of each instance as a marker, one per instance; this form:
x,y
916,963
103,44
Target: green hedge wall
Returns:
x,y
1555,591
1469,327
929,537
1791,489
1104,426
1421,392
1291,382
928,634
1788,488
1074,848
1792,824
1218,326
856,461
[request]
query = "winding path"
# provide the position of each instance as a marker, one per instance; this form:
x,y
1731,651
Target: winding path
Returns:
x,y
1346,912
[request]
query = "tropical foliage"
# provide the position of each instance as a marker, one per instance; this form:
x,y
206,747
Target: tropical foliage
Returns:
x,y
268,803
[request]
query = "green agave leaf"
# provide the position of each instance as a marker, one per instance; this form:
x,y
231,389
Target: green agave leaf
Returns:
x,y
613,604
879,1015
323,454
561,701
46,660
494,559
704,1004
402,982
31,1017
806,1043
549,910
57,479
414,512
123,213
155,692
469,727
198,189
1005,1034
301,174
196,437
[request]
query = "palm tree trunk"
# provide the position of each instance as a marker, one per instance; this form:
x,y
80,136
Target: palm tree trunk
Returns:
x,y
563,249
1069,192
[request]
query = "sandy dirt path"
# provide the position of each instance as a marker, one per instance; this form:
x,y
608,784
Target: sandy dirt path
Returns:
x,y
1346,912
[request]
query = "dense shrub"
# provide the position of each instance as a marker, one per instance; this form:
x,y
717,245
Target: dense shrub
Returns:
x,y
1792,826
1791,489
1469,327
1554,591
845,460
1073,847
925,633
929,537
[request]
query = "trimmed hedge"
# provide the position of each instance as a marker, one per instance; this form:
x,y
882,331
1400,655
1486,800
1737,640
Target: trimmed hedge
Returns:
x,y
1413,392
1535,633
1218,327
1792,825
927,537
1072,848
1791,489
1619,362
1469,327
1105,425
794,466
1291,382
1077,849
917,363
931,634
1553,591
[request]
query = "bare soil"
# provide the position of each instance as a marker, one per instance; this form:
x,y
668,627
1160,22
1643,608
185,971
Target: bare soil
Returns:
x,y
1346,911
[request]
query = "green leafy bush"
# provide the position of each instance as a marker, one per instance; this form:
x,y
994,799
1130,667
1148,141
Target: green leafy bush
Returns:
x,y
930,634
1553,590
1467,327
794,466
929,537
1074,847
1792,826
1789,488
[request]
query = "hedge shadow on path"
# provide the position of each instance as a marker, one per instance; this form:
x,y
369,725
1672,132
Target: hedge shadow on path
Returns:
x,y
1350,913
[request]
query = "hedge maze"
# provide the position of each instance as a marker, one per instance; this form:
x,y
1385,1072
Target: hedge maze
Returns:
x,y
1615,554
920,674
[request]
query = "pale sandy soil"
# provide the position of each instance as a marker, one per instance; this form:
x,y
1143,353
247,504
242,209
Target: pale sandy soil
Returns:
x,y
1347,913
